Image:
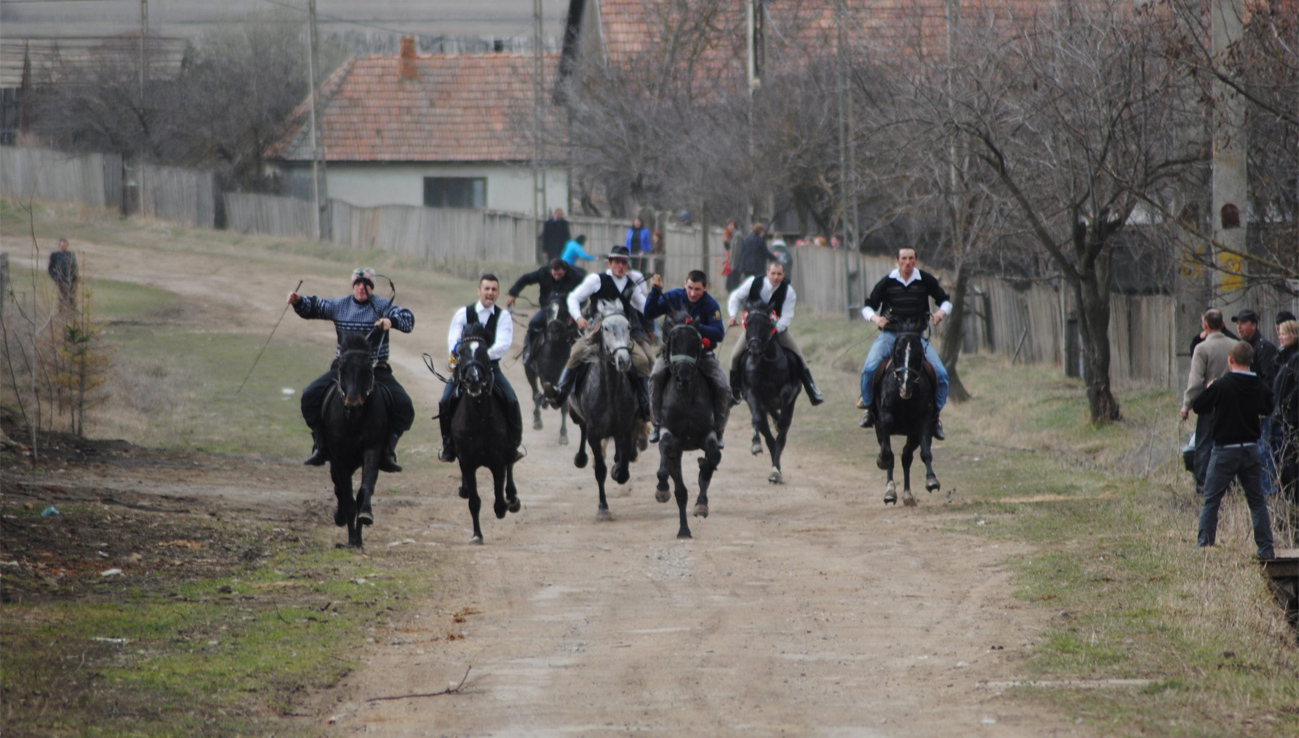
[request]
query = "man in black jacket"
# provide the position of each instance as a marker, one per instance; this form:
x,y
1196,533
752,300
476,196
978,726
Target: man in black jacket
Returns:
x,y
556,278
63,270
555,235
754,254
1237,400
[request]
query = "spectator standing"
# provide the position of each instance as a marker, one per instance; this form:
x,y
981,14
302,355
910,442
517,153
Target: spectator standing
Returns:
x,y
639,243
780,254
1285,391
555,235
1208,362
63,270
1235,402
734,241
835,243
1264,365
754,254
576,249
658,250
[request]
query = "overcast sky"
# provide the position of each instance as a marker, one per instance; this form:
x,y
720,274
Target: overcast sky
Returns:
x,y
63,18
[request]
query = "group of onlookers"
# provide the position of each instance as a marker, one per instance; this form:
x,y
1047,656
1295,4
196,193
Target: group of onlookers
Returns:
x,y
1245,391
557,241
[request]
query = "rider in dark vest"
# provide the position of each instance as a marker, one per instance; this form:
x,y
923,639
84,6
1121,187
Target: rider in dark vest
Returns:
x,y
901,298
616,284
361,312
556,278
706,316
776,292
500,332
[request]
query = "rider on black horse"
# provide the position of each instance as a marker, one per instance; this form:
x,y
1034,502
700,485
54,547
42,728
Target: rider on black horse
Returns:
x,y
362,313
904,297
705,315
615,284
779,294
500,332
556,278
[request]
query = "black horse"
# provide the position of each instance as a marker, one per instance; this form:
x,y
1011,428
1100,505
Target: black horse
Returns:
x,y
772,381
603,404
354,418
547,358
480,430
905,407
687,422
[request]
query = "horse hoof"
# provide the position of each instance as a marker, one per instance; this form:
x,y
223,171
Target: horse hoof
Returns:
x,y
476,541
908,499
563,440
661,495
464,493
685,534
536,425
365,517
642,443
499,508
757,449
513,505
340,518
890,499
932,485
621,475
776,477
579,461
701,511
883,463
603,516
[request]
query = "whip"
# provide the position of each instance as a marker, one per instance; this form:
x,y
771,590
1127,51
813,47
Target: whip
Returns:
x,y
268,341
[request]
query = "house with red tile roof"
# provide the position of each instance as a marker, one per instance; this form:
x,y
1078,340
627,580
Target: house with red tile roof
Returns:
x,y
440,130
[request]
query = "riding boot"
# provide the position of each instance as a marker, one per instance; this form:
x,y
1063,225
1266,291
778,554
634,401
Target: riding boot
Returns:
x,y
654,434
318,453
388,462
514,419
809,385
938,427
867,419
557,395
737,388
641,385
448,451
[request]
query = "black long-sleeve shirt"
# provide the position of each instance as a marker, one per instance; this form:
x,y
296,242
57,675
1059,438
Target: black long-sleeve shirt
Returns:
x,y
542,277
1237,400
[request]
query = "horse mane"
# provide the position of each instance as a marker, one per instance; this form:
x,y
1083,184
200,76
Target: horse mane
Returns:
x,y
353,341
675,318
474,330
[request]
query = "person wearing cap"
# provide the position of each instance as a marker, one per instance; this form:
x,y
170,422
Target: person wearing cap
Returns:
x,y
705,315
1235,402
358,313
900,298
1208,362
500,332
615,284
556,278
1264,365
774,290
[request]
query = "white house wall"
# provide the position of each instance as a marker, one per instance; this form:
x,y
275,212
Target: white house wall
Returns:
x,y
508,187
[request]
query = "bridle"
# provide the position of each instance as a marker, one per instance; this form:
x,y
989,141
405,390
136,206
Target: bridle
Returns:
x,y
768,349
680,329
342,362
468,350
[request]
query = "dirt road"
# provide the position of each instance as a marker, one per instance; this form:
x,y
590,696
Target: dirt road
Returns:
x,y
801,609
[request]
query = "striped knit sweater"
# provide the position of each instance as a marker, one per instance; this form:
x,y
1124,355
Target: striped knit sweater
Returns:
x,y
350,316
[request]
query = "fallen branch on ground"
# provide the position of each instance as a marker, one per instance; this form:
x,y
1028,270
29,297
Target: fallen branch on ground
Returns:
x,y
448,690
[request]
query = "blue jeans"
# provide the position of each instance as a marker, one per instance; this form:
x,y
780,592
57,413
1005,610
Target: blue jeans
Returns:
x,y
1243,463
880,351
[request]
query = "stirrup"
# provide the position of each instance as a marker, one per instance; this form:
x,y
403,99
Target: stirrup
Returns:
x,y
938,430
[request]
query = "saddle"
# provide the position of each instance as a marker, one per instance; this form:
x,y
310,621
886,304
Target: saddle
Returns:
x,y
883,368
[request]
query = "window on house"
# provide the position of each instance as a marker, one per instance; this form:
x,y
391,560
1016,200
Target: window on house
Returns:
x,y
455,192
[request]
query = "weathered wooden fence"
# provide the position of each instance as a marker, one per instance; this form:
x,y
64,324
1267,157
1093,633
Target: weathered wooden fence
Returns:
x,y
90,179
178,195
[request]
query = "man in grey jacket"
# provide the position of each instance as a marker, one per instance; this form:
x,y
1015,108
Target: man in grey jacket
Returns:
x,y
1208,362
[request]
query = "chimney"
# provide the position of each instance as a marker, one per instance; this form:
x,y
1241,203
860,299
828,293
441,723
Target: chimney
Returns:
x,y
406,65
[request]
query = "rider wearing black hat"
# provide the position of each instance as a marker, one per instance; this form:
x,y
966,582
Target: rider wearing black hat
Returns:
x,y
364,313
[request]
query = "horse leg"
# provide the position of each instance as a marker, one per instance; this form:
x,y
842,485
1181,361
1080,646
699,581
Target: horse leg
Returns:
x,y
885,462
469,490
498,489
758,419
764,428
778,448
579,459
343,494
707,465
679,485
625,445
601,471
666,440
908,454
537,397
927,456
563,428
511,492
369,477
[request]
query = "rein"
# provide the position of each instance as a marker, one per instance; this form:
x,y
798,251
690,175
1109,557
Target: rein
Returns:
x,y
682,358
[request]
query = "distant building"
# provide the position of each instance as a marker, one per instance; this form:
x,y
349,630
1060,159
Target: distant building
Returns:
x,y
438,130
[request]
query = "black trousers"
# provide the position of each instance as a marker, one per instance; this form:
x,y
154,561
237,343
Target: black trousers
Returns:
x,y
401,412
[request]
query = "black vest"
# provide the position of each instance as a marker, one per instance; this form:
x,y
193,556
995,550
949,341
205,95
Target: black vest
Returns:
x,y
777,301
609,291
471,318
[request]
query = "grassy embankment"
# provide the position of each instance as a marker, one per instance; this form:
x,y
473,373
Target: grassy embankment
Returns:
x,y
1108,511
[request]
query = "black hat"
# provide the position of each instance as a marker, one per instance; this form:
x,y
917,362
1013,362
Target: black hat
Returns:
x,y
1283,316
1246,315
619,252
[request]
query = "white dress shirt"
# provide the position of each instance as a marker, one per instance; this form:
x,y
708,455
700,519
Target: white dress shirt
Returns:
x,y
741,293
591,285
504,330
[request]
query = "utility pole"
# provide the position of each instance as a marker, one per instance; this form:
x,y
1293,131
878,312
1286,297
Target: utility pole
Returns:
x,y
144,66
840,42
1230,176
319,186
538,86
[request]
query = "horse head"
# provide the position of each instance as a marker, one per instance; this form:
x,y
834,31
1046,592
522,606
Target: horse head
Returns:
x,y
759,328
355,372
685,346
908,361
615,334
559,324
473,367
